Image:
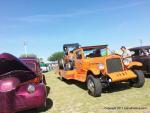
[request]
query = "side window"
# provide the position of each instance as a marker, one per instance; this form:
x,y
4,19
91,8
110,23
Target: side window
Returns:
x,y
141,53
147,52
79,55
136,52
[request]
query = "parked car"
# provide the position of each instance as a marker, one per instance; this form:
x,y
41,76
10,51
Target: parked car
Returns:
x,y
44,67
142,54
34,65
94,66
21,84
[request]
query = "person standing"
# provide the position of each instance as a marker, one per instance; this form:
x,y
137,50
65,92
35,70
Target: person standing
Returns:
x,y
126,53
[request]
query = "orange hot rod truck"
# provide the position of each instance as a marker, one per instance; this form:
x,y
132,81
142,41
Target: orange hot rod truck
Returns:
x,y
93,65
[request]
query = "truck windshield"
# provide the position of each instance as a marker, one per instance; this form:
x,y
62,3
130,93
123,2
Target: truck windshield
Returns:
x,y
96,52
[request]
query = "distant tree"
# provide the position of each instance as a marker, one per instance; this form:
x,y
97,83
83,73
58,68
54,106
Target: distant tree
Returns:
x,y
28,55
56,56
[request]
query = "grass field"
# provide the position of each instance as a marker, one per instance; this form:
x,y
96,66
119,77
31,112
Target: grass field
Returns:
x,y
72,97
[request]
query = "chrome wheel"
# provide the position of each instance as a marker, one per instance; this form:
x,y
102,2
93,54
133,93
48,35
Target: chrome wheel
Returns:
x,y
90,85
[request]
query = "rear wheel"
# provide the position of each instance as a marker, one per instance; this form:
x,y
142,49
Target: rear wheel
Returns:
x,y
139,81
61,78
94,86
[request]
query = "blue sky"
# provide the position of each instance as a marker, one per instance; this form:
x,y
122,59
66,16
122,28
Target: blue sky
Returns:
x,y
47,24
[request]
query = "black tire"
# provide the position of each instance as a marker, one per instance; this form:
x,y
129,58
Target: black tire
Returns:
x,y
139,81
61,78
61,64
94,86
44,80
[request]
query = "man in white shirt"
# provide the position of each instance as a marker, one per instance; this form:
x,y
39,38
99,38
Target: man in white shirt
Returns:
x,y
126,53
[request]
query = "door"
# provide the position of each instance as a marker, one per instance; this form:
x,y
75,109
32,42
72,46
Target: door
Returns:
x,y
78,61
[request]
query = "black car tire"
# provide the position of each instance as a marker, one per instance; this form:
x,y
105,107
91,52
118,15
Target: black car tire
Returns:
x,y
94,86
139,81
61,78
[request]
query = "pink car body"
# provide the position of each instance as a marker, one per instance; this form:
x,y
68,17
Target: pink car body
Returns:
x,y
21,87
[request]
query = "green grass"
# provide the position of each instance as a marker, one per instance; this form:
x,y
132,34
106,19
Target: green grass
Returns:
x,y
72,97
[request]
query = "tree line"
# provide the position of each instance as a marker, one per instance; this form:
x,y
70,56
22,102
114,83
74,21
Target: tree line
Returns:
x,y
54,57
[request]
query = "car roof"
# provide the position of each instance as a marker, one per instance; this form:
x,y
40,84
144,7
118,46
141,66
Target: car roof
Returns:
x,y
140,47
94,47
31,59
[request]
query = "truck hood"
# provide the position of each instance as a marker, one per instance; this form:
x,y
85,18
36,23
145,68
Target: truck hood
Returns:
x,y
12,66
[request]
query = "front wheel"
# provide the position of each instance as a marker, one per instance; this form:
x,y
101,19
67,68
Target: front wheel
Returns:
x,y
139,81
94,86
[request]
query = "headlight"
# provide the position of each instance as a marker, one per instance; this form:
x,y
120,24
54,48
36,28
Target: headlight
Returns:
x,y
126,62
101,66
31,88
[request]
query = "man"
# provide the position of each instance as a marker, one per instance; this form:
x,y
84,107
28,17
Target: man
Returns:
x,y
125,53
97,53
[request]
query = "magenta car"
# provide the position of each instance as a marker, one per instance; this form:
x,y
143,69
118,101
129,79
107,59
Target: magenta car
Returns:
x,y
21,86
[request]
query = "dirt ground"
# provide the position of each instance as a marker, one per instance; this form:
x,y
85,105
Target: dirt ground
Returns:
x,y
72,97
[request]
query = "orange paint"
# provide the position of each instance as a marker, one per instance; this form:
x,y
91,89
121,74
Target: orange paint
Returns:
x,y
85,66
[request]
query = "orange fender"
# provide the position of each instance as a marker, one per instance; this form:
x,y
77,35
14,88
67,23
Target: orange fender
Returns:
x,y
134,64
95,71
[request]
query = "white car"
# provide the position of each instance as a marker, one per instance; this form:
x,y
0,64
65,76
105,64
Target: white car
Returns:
x,y
44,67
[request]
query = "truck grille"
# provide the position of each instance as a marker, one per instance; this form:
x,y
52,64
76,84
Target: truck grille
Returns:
x,y
114,65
